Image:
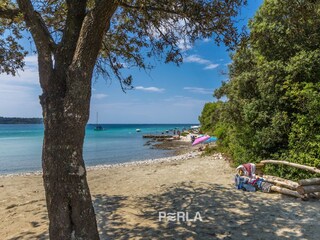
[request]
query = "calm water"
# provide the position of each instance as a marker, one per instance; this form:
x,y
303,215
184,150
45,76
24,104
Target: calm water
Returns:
x,y
20,145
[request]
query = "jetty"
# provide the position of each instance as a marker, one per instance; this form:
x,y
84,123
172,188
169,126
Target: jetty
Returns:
x,y
157,136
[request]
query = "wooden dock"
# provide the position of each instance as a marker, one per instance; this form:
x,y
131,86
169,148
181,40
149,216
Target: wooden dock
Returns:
x,y
162,136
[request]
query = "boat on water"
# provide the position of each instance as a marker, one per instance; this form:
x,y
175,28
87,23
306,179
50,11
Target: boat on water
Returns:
x,y
98,127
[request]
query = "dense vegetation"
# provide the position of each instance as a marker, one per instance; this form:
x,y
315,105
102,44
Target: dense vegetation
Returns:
x,y
273,93
14,120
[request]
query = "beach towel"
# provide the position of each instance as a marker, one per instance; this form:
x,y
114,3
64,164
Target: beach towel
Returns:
x,y
248,169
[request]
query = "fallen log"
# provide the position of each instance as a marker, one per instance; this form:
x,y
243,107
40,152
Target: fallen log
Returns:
x,y
308,189
286,191
310,181
307,168
281,181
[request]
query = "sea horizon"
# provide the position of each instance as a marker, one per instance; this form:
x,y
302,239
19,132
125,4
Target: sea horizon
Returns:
x,y
21,145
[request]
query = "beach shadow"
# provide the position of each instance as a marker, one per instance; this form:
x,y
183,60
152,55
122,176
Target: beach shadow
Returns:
x,y
30,235
226,213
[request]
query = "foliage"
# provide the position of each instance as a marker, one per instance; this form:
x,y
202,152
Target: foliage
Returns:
x,y
137,31
273,100
75,37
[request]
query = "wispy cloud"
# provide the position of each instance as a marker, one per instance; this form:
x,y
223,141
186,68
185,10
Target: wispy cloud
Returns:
x,y
184,45
30,74
199,90
197,59
99,96
149,89
211,66
184,101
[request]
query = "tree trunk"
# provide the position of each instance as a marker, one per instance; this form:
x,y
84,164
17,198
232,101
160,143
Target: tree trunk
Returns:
x,y
310,181
308,189
304,167
286,191
70,210
281,181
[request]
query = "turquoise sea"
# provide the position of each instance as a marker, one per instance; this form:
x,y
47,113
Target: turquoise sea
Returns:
x,y
21,144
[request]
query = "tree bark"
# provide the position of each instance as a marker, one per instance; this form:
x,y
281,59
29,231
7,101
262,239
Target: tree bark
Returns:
x,y
69,204
286,192
310,181
281,181
307,168
308,189
65,73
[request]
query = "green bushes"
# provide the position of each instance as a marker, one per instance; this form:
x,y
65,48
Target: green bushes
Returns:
x,y
273,95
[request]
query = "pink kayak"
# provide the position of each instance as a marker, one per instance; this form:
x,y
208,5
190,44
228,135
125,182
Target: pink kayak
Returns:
x,y
200,140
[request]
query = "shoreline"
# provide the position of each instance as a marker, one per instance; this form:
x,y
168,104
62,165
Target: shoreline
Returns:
x,y
127,199
178,154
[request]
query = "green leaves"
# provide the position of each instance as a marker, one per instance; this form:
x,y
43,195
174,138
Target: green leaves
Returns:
x,y
274,90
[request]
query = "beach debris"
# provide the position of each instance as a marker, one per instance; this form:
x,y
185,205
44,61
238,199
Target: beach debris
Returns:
x,y
304,189
246,179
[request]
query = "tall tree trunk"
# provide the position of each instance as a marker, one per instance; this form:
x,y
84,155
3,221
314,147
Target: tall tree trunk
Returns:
x,y
69,204
65,72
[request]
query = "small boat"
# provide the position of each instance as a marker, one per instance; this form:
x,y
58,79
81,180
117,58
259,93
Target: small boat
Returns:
x,y
98,127
138,130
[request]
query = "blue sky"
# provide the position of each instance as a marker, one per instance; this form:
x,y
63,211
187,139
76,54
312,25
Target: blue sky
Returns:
x,y
166,94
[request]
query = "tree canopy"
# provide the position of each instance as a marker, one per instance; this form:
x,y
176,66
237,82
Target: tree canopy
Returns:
x,y
138,30
272,107
74,39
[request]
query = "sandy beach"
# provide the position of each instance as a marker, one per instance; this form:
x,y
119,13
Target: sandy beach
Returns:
x,y
128,198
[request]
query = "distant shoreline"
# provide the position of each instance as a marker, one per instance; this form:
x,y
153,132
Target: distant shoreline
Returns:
x,y
16,120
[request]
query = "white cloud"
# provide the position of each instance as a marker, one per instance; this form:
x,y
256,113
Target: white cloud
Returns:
x,y
99,96
19,101
199,90
211,66
183,101
31,60
197,59
30,74
149,89
184,45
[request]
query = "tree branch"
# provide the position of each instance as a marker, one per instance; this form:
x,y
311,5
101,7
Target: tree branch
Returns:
x,y
36,24
95,24
43,41
150,8
75,16
9,13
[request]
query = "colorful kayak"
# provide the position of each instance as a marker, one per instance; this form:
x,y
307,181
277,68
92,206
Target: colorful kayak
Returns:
x,y
200,140
211,139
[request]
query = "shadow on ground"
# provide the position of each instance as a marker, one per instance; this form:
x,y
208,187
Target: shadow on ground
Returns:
x,y
226,214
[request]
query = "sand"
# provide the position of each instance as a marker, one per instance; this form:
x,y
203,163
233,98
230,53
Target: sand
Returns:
x,y
128,198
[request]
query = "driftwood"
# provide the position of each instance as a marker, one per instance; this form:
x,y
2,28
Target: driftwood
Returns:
x,y
286,191
308,189
310,181
281,181
307,168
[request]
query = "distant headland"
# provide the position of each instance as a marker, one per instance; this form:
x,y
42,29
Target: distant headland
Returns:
x,y
16,120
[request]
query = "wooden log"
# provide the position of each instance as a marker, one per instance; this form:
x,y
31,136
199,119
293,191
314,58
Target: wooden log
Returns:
x,y
286,191
308,189
281,181
310,181
307,168
259,165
